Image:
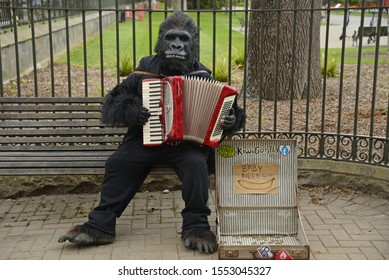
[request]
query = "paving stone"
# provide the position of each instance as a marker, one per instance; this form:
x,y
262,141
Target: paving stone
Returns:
x,y
341,202
340,234
6,252
371,237
352,229
344,250
327,227
102,256
120,253
328,241
339,220
372,253
355,243
324,214
331,257
382,246
317,232
384,233
335,210
314,220
377,202
16,231
26,255
317,247
77,257
363,224
357,257
170,255
341,227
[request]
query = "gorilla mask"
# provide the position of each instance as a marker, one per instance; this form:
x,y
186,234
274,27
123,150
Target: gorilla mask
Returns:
x,y
177,44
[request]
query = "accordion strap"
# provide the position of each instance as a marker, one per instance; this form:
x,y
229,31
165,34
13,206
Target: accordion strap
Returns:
x,y
147,73
198,72
161,76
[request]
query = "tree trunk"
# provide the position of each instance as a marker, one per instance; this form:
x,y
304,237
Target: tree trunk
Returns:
x,y
179,5
276,70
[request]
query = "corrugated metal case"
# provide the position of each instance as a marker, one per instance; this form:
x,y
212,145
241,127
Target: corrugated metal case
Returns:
x,y
247,221
245,247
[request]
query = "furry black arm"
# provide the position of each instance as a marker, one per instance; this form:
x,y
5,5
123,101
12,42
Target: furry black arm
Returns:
x,y
239,123
122,106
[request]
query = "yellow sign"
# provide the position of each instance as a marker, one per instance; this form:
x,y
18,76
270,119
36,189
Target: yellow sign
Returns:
x,y
259,178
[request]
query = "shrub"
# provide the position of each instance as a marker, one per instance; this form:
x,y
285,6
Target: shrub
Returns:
x,y
332,70
126,65
221,69
238,58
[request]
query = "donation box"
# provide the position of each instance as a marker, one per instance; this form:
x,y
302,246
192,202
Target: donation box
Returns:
x,y
256,200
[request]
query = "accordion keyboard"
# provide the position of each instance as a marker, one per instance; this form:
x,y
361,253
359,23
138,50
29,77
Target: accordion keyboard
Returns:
x,y
152,130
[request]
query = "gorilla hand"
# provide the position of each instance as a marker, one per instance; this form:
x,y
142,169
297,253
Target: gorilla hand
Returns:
x,y
228,121
143,116
85,235
200,239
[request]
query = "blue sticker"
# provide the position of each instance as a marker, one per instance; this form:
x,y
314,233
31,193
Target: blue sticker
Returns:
x,y
284,149
265,252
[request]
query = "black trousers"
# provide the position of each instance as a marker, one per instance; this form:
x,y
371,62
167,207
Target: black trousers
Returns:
x,y
127,168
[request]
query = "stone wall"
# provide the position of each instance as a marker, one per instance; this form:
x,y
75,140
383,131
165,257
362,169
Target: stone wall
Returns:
x,y
311,172
42,42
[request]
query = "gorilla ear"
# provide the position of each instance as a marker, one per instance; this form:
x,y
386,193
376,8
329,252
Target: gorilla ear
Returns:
x,y
158,44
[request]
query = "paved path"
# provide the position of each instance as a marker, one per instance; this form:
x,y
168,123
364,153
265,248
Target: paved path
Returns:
x,y
336,29
339,225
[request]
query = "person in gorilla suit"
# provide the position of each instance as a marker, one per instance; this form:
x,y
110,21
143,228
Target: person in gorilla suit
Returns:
x,y
126,169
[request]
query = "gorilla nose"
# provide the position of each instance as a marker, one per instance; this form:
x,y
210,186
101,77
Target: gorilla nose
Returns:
x,y
176,47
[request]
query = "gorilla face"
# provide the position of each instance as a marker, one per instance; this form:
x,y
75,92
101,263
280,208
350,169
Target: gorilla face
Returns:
x,y
177,44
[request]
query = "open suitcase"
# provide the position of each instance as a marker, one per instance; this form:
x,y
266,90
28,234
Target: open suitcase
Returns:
x,y
256,200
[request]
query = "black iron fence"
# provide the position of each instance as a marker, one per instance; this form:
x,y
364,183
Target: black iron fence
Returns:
x,y
40,10
86,49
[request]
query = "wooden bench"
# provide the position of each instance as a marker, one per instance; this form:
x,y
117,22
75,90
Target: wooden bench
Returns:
x,y
52,136
371,32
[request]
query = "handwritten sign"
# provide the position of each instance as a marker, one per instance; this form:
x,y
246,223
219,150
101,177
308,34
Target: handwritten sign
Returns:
x,y
259,178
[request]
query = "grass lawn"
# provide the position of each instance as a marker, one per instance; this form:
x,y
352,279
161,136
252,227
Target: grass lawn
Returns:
x,y
208,52
351,55
145,47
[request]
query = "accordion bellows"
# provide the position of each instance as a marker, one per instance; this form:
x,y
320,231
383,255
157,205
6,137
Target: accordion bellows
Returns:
x,y
185,108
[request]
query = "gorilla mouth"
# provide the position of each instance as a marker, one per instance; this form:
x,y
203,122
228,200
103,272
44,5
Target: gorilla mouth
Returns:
x,y
170,56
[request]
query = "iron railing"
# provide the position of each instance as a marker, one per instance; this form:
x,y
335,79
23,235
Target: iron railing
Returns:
x,y
40,10
349,122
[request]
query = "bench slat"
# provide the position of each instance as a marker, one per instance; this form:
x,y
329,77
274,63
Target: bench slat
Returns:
x,y
49,116
71,171
40,100
50,171
63,139
37,154
61,132
45,108
53,159
48,124
61,148
53,164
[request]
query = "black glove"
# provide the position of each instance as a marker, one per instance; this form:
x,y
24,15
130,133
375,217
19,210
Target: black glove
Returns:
x,y
228,121
143,116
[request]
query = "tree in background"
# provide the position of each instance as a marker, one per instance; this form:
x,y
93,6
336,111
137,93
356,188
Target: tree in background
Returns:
x,y
178,5
284,61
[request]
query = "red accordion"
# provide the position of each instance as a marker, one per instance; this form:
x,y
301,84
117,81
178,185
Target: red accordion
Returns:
x,y
185,108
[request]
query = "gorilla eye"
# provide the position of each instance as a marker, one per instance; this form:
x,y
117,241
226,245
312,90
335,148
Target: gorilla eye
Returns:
x,y
184,38
170,37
